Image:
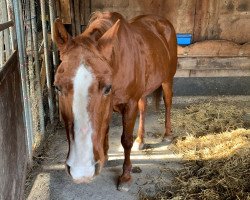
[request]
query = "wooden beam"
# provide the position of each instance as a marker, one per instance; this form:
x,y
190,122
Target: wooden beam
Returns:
x,y
77,17
72,14
212,73
65,11
214,63
214,48
87,11
6,25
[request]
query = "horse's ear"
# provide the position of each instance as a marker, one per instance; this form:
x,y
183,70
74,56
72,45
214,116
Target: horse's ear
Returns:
x,y
61,36
106,43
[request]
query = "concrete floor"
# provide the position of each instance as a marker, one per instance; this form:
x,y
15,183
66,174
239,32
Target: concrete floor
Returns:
x,y
50,180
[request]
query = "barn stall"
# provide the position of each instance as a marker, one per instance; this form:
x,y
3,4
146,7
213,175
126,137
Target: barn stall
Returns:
x,y
215,64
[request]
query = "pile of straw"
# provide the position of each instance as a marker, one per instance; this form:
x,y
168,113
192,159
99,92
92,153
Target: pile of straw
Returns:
x,y
216,154
205,118
216,167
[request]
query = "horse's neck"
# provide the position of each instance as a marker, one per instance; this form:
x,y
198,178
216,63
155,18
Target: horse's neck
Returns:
x,y
123,49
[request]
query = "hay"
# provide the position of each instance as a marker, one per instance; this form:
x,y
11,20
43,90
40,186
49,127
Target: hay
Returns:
x,y
215,151
204,118
218,166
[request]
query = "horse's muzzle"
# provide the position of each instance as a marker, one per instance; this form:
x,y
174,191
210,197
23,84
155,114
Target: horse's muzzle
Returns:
x,y
85,179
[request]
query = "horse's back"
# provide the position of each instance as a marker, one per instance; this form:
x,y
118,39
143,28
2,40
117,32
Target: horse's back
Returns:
x,y
159,43
155,23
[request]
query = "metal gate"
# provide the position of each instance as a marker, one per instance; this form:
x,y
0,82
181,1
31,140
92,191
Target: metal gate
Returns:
x,y
25,67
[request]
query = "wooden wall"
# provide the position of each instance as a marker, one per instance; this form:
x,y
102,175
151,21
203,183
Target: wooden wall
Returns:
x,y
74,12
204,19
13,152
220,29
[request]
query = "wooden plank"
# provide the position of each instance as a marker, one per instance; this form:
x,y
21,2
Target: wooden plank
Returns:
x,y
13,160
65,11
205,26
12,30
182,73
2,57
58,8
82,12
87,11
77,17
6,25
72,15
233,21
6,32
185,16
214,48
206,63
8,66
43,73
212,73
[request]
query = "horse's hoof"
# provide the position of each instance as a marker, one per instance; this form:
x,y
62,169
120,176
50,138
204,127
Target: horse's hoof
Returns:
x,y
124,186
137,146
167,139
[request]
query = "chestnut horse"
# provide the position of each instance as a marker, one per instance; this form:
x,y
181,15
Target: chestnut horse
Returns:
x,y
113,65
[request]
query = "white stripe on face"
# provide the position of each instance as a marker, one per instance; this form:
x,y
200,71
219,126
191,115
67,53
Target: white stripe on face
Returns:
x,y
81,156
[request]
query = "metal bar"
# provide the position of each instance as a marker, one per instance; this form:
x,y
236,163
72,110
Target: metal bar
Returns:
x,y
31,78
22,34
52,19
24,44
6,32
6,25
54,48
47,63
26,102
2,60
37,66
2,52
10,17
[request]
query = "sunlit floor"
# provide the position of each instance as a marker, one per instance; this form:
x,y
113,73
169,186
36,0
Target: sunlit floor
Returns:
x,y
50,181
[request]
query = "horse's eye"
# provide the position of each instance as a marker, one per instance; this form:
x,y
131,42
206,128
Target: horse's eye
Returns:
x,y
107,89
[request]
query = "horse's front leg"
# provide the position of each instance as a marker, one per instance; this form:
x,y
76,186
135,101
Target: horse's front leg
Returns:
x,y
128,120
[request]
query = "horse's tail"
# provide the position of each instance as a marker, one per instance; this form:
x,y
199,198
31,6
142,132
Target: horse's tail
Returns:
x,y
157,97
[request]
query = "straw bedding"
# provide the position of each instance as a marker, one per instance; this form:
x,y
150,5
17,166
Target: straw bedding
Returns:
x,y
216,154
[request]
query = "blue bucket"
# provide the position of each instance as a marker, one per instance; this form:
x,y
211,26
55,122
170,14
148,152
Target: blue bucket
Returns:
x,y
184,39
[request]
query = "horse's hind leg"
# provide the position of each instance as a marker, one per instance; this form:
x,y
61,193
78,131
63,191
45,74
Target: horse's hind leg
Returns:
x,y
167,96
139,141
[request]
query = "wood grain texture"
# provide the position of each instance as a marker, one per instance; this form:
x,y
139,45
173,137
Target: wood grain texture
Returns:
x,y
13,156
205,19
213,73
214,48
64,7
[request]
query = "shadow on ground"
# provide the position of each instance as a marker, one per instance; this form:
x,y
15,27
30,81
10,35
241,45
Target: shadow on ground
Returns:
x,y
50,181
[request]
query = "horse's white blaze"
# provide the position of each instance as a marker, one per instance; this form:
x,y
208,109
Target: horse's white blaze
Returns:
x,y
81,157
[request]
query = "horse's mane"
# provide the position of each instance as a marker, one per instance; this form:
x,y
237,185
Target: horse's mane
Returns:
x,y
100,22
